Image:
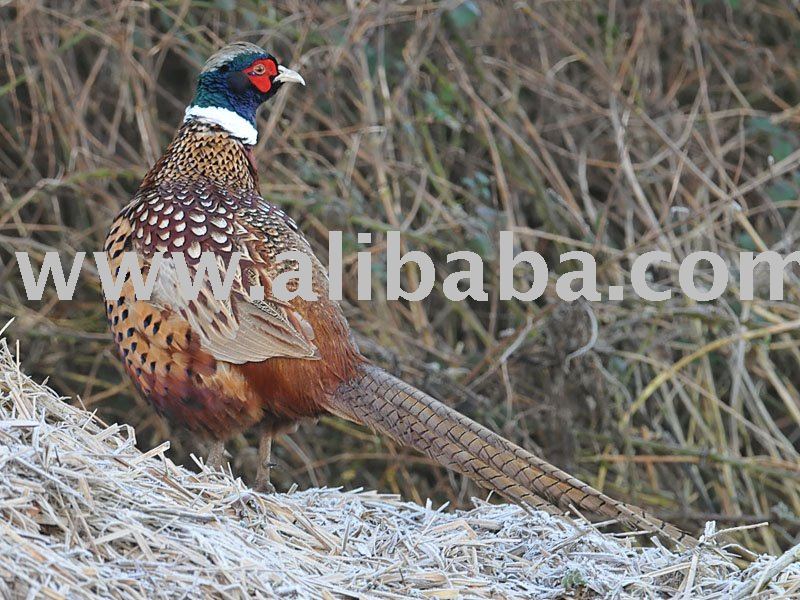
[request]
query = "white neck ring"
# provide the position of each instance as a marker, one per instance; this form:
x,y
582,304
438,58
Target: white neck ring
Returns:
x,y
236,125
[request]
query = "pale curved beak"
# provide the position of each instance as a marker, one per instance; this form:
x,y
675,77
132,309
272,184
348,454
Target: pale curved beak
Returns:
x,y
288,76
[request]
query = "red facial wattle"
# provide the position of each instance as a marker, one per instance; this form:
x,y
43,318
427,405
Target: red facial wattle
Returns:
x,y
260,74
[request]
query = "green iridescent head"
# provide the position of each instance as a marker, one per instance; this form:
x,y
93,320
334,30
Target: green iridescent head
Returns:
x,y
234,82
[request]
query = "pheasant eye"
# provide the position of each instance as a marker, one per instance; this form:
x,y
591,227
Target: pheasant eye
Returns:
x,y
260,74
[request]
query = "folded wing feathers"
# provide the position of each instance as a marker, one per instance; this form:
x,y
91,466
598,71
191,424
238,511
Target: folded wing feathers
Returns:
x,y
239,330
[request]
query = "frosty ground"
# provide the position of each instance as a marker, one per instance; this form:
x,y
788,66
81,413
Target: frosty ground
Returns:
x,y
85,514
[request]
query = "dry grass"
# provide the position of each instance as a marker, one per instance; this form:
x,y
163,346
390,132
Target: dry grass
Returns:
x,y
613,127
85,514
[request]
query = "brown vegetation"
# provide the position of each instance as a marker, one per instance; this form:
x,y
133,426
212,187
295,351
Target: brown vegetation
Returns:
x,y
611,127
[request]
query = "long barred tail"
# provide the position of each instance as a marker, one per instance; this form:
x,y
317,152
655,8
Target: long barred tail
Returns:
x,y
399,410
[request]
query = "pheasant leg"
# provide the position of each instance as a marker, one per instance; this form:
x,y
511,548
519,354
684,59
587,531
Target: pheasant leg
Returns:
x,y
214,460
262,483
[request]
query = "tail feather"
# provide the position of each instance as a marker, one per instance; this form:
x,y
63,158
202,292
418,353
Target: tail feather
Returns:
x,y
399,410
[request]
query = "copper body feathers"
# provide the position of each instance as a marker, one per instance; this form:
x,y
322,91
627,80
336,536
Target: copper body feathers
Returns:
x,y
203,363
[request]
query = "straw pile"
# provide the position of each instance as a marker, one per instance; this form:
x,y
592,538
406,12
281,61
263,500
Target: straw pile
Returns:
x,y
84,513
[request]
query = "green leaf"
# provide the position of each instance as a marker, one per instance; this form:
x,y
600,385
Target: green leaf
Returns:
x,y
764,124
464,15
745,242
573,578
781,148
781,191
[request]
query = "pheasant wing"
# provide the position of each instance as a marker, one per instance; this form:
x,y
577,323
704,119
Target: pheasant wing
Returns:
x,y
237,329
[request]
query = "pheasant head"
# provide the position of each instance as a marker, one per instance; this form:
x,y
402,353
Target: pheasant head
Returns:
x,y
233,83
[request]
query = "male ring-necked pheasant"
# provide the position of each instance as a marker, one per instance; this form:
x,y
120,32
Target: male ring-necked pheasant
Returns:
x,y
219,367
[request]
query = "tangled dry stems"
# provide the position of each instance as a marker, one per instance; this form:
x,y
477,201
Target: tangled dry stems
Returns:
x,y
613,127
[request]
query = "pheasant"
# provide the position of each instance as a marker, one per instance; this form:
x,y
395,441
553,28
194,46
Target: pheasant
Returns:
x,y
218,367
